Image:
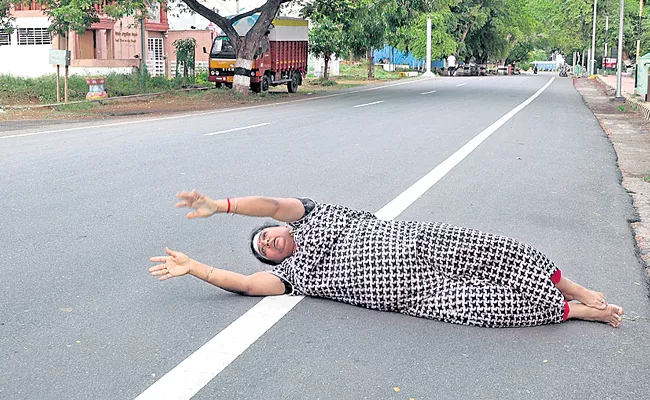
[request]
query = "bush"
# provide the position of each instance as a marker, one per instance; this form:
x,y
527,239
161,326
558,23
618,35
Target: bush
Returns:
x,y
43,89
525,66
202,78
323,82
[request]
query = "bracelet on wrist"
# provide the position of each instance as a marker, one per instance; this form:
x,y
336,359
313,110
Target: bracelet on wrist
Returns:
x,y
209,274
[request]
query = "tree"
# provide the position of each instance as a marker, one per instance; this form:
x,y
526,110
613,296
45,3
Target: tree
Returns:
x,y
185,51
246,46
325,40
413,37
489,28
66,15
369,24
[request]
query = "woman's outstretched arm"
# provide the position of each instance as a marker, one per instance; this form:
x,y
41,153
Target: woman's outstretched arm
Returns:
x,y
280,209
178,264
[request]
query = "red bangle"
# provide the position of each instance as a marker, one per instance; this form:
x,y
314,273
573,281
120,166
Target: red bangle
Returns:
x,y
228,200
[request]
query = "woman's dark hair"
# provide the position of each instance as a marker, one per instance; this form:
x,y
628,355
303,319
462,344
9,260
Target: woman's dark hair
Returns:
x,y
253,233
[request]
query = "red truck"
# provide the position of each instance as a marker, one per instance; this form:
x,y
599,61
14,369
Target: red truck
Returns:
x,y
280,59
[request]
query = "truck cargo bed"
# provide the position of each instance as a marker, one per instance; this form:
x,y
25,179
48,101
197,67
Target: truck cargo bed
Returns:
x,y
288,55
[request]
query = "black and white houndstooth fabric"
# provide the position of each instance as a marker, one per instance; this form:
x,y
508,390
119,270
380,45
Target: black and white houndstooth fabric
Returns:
x,y
423,269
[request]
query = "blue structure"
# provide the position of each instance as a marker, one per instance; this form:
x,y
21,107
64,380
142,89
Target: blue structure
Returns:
x,y
403,59
547,65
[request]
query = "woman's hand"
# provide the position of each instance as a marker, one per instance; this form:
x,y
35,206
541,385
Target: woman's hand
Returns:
x,y
203,205
177,264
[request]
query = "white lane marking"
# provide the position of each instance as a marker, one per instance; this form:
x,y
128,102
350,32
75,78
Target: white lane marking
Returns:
x,y
480,79
188,377
226,110
238,129
368,104
406,198
193,373
461,84
433,91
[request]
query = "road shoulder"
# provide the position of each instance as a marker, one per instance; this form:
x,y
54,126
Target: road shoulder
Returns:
x,y
629,133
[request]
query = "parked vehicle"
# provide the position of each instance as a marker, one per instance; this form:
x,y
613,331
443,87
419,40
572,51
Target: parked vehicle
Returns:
x,y
280,59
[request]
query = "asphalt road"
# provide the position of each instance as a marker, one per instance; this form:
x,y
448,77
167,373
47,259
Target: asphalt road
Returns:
x,y
85,205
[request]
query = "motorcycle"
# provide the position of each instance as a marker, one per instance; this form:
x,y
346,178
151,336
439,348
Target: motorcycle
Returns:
x,y
535,69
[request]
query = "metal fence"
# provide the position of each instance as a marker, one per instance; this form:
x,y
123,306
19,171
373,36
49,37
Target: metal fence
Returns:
x,y
199,66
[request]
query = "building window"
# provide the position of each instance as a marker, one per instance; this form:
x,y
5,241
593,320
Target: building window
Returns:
x,y
28,36
5,38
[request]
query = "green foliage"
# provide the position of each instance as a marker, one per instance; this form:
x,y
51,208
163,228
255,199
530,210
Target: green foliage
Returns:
x,y
43,89
538,55
76,15
488,29
413,37
39,90
364,24
202,78
185,50
325,39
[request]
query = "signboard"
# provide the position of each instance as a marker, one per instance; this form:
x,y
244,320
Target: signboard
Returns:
x,y
609,62
60,57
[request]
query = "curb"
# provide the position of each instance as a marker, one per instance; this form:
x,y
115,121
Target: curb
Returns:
x,y
117,99
637,105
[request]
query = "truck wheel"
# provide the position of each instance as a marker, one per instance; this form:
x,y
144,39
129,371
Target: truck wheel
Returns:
x,y
266,83
293,85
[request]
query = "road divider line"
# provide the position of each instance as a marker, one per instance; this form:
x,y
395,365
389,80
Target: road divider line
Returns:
x,y
433,91
193,373
238,129
368,104
225,110
406,198
461,84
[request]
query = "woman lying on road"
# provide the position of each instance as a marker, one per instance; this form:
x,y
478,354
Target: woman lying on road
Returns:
x,y
424,269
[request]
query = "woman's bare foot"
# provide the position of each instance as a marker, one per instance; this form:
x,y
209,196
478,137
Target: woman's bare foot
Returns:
x,y
573,291
611,314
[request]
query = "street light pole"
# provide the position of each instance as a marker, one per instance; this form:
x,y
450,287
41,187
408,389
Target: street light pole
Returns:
x,y
592,59
619,61
428,73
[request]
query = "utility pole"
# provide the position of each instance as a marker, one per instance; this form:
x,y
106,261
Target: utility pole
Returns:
x,y
619,61
143,47
592,59
428,73
638,34
606,35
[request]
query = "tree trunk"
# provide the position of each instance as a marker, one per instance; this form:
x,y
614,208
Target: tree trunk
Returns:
x,y
466,32
241,82
242,79
326,74
371,64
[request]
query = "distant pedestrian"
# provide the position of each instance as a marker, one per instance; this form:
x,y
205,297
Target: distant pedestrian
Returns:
x,y
424,269
451,64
